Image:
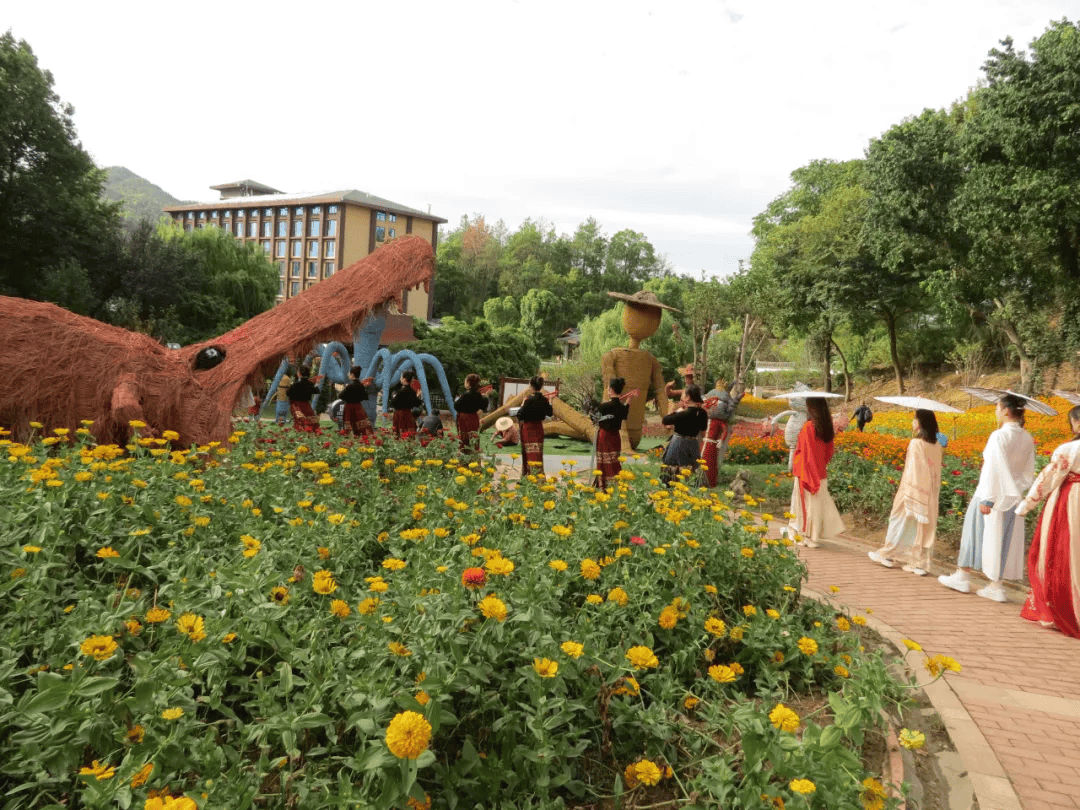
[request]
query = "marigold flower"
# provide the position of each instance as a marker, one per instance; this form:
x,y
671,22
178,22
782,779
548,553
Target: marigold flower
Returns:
x,y
912,740
229,638
280,594
749,610
408,735
139,779
558,565
367,607
416,804
393,564
545,667
747,552
473,578
100,648
156,615
641,658
98,771
859,620
722,673
323,582
594,599
669,617
31,549
492,608
873,794
711,589
912,645
690,703
340,608
842,671
784,718
589,569
619,597
172,714
105,552
843,624
772,614
191,626
399,649
715,627
572,648
803,786
807,645
134,626
643,772
628,686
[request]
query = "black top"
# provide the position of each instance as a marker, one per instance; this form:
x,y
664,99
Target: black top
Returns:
x,y
404,399
431,424
688,422
354,392
470,402
612,414
302,390
863,413
535,408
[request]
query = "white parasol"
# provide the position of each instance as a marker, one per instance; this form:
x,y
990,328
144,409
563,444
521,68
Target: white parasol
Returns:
x,y
919,403
808,395
995,394
1073,399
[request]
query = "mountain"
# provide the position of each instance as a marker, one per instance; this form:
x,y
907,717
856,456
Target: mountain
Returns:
x,y
140,197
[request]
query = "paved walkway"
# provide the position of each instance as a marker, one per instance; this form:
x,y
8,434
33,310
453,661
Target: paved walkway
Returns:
x,y
1014,709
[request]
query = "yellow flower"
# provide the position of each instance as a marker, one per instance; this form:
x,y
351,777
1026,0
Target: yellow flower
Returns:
x,y
641,658
749,610
139,779
722,673
378,586
399,649
629,686
98,771
423,698
643,772
393,564
772,614
336,519
133,626
280,594
156,615
843,624
618,596
558,565
711,589
31,549
100,648
912,740
873,794
804,786
251,545
499,566
594,599
229,638
191,626
340,608
747,552
912,645
135,734
941,663
367,607
589,569
408,735
859,620
105,552
172,714
572,648
690,702
492,608
834,589
545,667
842,671
784,718
669,617
323,582
807,645
416,804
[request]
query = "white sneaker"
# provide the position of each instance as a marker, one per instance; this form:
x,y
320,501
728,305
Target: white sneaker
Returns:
x,y
873,555
960,581
810,543
994,591
911,569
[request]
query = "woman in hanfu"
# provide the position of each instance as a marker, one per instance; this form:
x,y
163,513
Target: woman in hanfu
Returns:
x,y
913,520
815,512
1054,558
534,410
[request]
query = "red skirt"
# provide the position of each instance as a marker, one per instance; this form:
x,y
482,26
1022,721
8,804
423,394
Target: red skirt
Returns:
x,y
468,426
608,448
1051,597
356,418
714,437
304,417
532,448
404,422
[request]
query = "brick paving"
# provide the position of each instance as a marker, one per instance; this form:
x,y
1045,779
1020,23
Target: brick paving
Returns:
x,y
1020,683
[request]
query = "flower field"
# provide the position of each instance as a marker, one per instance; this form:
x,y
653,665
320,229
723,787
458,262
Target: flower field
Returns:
x,y
290,620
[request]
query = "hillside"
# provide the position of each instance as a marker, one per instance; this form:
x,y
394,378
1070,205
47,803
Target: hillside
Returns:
x,y
140,197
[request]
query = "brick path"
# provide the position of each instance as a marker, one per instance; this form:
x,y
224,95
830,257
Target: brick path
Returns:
x,y
1020,683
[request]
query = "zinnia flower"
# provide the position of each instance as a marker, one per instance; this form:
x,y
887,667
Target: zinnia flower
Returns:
x,y
397,648
643,772
173,714
408,735
590,569
804,786
912,740
807,646
873,794
473,578
784,718
100,648
98,771
715,627
722,674
492,608
156,615
558,565
139,779
641,658
191,626
619,597
280,594
340,608
545,667
323,582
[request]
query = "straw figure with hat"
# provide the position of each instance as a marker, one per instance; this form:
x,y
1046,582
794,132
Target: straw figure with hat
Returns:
x,y
675,394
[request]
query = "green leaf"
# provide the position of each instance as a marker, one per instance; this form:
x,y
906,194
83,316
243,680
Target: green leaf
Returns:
x,y
95,686
312,720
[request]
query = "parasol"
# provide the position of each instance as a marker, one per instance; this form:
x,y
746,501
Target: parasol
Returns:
x,y
919,403
808,395
1072,399
994,394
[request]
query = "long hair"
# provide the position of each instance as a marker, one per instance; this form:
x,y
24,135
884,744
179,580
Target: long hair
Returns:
x,y
928,426
817,409
1074,417
693,393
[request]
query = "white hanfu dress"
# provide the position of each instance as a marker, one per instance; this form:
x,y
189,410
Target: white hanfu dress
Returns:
x,y
994,543
913,520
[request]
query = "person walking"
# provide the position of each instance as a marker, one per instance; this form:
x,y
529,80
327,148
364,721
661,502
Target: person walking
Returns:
x,y
300,394
862,416
613,413
815,514
913,520
354,395
688,420
993,536
1054,558
468,407
534,410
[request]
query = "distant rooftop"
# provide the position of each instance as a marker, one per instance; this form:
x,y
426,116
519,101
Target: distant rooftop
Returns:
x,y
244,188
274,197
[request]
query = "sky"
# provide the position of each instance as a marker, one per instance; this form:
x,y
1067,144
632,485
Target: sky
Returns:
x,y
678,119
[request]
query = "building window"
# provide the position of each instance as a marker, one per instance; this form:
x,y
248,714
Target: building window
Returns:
x,y
393,232
297,249
328,269
393,217
316,210
299,212
268,228
282,228
281,269
200,225
239,214
202,215
213,215
239,230
295,270
313,227
227,215
281,286
297,228
294,289
190,214
380,216
253,229
380,233
283,212
268,212
312,269
279,249
313,249
331,209
330,250
331,227
266,247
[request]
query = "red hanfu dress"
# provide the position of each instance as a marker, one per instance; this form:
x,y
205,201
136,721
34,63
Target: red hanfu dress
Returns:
x,y
816,515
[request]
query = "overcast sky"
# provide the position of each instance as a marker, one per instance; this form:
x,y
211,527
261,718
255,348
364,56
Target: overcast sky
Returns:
x,y
677,119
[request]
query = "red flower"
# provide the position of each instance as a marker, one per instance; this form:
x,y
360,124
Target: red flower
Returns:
x,y
473,578
637,541
956,472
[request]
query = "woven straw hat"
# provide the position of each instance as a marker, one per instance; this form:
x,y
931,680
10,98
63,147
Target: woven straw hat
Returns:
x,y
504,423
642,298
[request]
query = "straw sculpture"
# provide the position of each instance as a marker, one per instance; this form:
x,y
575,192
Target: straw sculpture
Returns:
x,y
60,368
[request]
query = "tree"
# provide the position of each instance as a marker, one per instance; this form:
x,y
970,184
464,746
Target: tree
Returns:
x,y
467,348
501,312
631,259
52,216
541,320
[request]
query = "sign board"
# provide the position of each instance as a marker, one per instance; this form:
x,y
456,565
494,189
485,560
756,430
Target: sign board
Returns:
x,y
510,387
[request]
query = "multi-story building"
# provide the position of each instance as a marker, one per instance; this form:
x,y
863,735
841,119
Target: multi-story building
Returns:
x,y
311,236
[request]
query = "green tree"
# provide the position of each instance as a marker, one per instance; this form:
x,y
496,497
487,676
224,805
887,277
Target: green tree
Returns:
x,y
541,320
502,311
465,348
52,218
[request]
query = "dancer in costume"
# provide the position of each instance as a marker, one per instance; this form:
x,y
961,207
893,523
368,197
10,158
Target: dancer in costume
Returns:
x,y
815,514
689,420
403,400
1054,558
718,433
993,535
354,395
468,406
913,520
300,394
613,413
534,410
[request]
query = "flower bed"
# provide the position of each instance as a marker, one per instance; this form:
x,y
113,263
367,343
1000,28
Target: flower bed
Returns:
x,y
292,620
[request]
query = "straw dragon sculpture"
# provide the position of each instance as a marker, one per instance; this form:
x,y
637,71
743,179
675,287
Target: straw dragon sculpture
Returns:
x,y
60,368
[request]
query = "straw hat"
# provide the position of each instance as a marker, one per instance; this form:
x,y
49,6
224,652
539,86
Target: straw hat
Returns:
x,y
688,371
504,423
642,298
